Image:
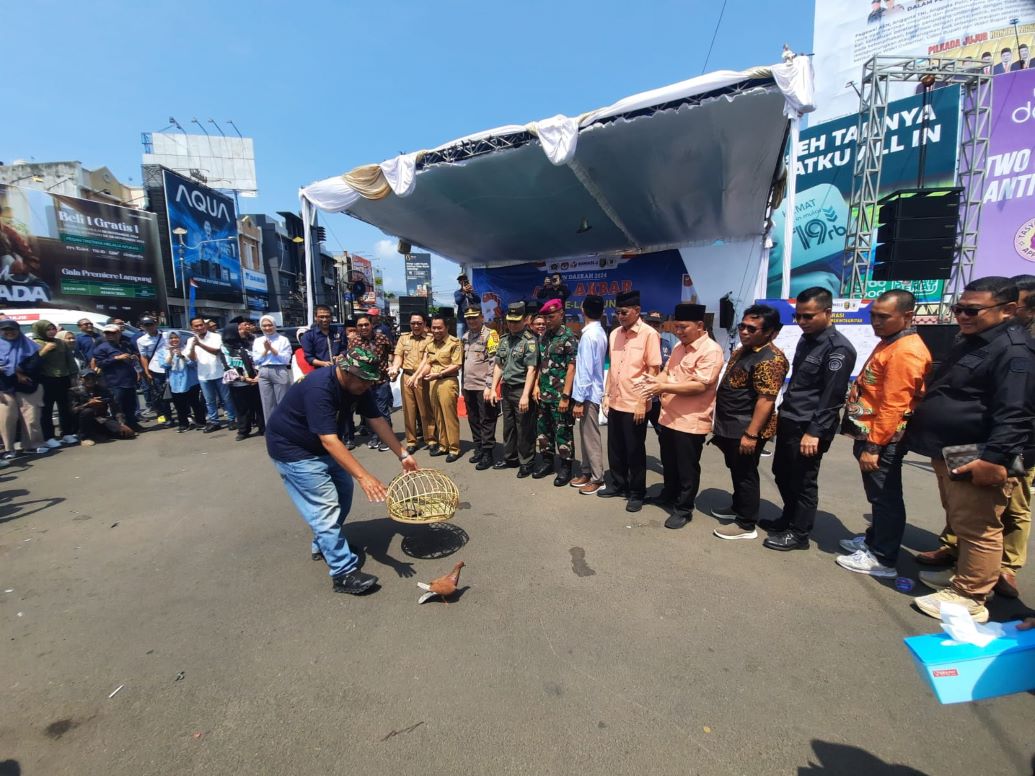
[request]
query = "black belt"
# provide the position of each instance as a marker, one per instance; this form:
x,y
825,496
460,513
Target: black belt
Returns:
x,y
273,366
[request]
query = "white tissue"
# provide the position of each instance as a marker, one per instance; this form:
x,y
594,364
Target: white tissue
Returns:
x,y
961,626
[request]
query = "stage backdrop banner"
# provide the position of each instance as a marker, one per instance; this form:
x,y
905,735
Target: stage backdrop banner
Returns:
x,y
418,274
58,251
210,245
826,157
660,278
1006,237
851,317
847,33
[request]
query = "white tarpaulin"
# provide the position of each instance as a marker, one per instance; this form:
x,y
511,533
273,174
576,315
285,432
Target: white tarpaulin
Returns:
x,y
687,164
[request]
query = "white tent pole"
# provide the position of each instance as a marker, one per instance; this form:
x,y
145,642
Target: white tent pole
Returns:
x,y
307,233
788,219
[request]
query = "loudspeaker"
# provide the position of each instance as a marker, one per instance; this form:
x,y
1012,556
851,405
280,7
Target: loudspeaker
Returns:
x,y
404,247
916,234
408,305
939,339
726,311
447,312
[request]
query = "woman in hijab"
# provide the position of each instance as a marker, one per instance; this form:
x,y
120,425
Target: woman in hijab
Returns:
x,y
271,353
20,392
183,383
245,390
57,368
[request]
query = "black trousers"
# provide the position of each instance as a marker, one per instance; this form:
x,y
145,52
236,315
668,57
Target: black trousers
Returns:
x,y
249,409
55,391
155,392
797,477
126,400
189,403
744,474
627,453
481,415
518,427
89,426
681,459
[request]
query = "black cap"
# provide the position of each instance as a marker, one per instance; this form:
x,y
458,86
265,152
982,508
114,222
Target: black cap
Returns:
x,y
515,311
689,312
147,319
628,299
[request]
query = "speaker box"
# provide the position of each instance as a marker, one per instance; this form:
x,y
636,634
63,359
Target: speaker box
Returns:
x,y
404,247
408,305
917,234
939,339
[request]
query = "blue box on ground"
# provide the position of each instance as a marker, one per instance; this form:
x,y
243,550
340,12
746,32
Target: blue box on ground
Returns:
x,y
964,672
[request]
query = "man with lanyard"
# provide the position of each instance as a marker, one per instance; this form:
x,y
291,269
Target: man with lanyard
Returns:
x,y
635,354
440,366
303,439
320,344
880,403
555,421
821,369
513,377
981,399
480,345
745,416
587,393
148,344
409,351
115,357
378,344
687,389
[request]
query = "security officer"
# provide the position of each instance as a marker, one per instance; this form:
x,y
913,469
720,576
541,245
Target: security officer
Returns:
x,y
480,345
555,424
981,397
820,371
515,371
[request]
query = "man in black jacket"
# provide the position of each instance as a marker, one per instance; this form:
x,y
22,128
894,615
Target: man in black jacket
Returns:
x,y
982,395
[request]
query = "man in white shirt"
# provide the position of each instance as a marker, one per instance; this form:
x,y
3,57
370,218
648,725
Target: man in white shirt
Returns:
x,y
206,348
587,393
148,344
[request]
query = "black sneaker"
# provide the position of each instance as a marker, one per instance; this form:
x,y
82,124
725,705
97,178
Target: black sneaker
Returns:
x,y
383,448
317,555
524,471
241,436
354,583
372,444
484,463
232,425
475,457
350,445
633,504
677,520
506,465
612,492
411,449
181,429
210,427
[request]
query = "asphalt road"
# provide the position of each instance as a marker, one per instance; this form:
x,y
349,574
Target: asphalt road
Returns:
x,y
586,640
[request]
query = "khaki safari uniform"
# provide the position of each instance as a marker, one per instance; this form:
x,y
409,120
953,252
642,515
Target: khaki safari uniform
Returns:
x,y
445,391
416,401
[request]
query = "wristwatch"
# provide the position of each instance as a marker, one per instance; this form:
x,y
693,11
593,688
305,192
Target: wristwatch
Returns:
x,y
566,396
873,448
404,455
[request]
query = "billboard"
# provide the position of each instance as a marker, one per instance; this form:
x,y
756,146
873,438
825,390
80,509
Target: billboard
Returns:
x,y
418,274
1006,238
222,162
209,248
850,32
826,158
58,251
365,268
660,278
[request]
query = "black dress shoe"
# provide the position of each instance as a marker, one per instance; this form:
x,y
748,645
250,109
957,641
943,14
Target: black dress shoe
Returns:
x,y
633,504
484,463
773,526
786,541
545,469
659,501
563,476
475,457
435,450
610,492
524,471
354,583
411,449
210,427
452,457
317,555
505,465
678,520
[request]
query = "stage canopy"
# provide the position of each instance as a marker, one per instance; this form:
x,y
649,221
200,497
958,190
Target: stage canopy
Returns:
x,y
681,166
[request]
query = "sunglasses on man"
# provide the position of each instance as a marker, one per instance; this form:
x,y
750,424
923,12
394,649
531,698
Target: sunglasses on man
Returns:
x,y
971,311
749,328
808,316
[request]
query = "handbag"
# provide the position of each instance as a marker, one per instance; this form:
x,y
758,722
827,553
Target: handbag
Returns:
x,y
959,455
230,375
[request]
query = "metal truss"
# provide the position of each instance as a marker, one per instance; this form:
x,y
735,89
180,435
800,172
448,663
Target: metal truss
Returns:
x,y
976,106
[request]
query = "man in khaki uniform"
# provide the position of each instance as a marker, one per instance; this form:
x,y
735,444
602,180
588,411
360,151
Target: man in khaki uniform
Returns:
x,y
480,345
416,401
439,368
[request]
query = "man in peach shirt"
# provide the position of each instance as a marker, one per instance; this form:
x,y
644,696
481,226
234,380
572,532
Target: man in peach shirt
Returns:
x,y
635,352
687,389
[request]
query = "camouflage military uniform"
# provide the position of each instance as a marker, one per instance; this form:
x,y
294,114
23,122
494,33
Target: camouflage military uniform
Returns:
x,y
555,429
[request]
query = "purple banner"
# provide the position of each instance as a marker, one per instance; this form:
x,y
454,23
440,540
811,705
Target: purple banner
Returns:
x,y
1006,240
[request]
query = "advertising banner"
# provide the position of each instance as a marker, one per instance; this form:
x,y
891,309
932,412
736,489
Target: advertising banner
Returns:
x,y
660,278
1000,33
851,316
365,268
209,248
379,289
418,274
254,281
1006,237
58,251
826,157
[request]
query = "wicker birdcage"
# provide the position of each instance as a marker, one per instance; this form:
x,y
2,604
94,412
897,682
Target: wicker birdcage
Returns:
x,y
424,496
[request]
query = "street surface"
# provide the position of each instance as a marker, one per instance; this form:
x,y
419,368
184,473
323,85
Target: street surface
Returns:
x,y
586,640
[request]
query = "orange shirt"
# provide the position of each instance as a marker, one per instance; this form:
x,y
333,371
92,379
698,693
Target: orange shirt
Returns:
x,y
887,389
633,352
700,361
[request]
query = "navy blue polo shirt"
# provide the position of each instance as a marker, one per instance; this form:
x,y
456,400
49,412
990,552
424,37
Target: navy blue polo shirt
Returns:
x,y
118,373
315,406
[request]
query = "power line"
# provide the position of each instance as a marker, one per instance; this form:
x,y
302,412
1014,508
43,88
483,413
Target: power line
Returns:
x,y
714,35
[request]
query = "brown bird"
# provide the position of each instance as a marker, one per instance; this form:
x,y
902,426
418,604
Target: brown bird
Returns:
x,y
441,587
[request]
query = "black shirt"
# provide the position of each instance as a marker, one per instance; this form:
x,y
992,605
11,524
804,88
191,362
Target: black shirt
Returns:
x,y
749,374
820,372
984,393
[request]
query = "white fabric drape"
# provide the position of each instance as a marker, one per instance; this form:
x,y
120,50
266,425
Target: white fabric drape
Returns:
x,y
558,136
401,173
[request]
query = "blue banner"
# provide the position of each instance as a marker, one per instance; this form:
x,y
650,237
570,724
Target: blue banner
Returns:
x,y
661,279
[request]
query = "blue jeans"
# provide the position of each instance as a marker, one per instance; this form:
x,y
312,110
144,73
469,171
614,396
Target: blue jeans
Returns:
x,y
322,493
213,390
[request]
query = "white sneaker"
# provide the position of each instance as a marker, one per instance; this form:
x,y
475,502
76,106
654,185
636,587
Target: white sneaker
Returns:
x,y
42,450
931,605
69,439
53,443
865,562
854,544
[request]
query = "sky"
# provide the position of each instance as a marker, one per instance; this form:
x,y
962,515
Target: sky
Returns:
x,y
345,83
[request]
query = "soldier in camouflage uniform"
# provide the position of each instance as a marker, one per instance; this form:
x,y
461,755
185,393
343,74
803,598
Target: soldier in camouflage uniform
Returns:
x,y
514,378
556,423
